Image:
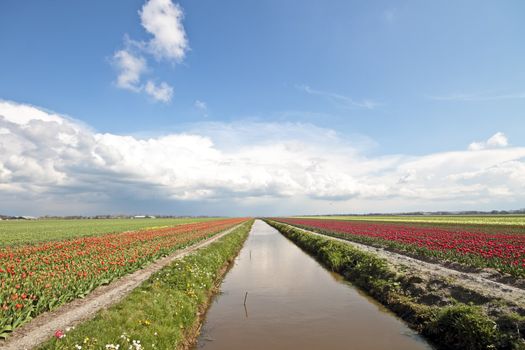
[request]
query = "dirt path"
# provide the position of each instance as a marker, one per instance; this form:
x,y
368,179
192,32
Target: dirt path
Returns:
x,y
42,327
472,281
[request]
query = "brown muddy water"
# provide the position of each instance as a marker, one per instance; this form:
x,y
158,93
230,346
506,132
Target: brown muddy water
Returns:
x,y
294,303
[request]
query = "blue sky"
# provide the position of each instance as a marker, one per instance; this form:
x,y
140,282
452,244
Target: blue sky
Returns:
x,y
392,79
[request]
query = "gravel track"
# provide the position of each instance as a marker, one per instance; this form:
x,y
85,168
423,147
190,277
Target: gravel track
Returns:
x,y
43,326
469,280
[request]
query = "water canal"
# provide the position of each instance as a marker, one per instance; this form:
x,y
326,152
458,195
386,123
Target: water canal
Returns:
x,y
294,303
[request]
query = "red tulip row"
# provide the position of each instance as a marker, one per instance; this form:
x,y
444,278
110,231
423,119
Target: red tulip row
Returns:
x,y
37,278
502,251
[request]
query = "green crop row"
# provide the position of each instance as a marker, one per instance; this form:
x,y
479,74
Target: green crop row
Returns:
x,y
518,220
31,231
164,312
457,326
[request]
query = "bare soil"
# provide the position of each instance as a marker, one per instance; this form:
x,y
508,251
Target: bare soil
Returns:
x,y
459,283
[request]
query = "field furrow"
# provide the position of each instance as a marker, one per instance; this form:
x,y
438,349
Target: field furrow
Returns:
x,y
40,277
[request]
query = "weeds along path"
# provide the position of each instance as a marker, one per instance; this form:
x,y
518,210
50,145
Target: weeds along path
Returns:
x,y
42,327
469,280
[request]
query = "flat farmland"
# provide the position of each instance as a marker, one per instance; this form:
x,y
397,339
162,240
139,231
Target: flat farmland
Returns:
x,y
38,277
29,231
401,265
497,246
506,220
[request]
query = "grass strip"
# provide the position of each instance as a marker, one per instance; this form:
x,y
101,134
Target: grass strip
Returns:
x,y
36,279
464,262
165,311
457,326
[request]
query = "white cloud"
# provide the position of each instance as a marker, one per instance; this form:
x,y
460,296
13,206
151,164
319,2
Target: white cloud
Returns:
x,y
495,141
50,161
338,99
163,20
162,92
498,140
130,69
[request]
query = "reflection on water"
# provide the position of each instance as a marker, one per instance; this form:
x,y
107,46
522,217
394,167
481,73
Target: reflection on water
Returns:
x,y
294,303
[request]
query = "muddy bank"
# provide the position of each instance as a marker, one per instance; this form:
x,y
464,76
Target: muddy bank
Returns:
x,y
477,282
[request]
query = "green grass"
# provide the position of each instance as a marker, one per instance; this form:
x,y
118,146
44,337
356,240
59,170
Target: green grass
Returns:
x,y
518,220
31,231
455,326
162,313
467,261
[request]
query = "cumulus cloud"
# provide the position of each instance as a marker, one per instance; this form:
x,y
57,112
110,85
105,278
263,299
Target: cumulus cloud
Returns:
x,y
495,141
163,20
161,92
51,159
130,69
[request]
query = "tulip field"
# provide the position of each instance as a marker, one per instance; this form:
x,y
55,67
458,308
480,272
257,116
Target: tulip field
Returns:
x,y
31,231
505,220
477,246
38,277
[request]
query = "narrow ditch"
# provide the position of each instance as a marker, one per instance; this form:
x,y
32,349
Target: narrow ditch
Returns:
x,y
293,302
